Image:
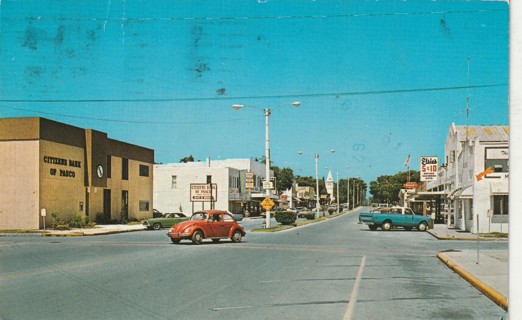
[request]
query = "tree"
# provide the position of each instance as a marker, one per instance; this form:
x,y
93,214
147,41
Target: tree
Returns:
x,y
187,159
284,177
387,187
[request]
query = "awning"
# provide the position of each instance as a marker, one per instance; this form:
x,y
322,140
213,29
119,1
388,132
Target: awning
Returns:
x,y
463,192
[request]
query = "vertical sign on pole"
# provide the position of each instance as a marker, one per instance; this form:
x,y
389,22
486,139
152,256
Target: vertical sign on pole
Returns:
x,y
43,213
428,168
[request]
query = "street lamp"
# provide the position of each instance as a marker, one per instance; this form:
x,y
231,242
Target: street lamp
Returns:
x,y
317,205
348,191
333,151
267,186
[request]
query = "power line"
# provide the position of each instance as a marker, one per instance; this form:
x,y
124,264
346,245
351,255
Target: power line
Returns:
x,y
237,98
125,121
311,16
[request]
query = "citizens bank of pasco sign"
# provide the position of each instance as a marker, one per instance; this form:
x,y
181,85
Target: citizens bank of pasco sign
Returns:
x,y
62,162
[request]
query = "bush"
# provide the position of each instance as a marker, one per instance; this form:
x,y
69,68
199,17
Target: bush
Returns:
x,y
75,220
285,217
310,216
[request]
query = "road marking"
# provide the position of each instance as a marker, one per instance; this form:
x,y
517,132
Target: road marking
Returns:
x,y
355,290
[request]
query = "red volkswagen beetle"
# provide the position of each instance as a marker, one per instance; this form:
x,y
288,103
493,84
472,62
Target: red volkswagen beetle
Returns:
x,y
207,224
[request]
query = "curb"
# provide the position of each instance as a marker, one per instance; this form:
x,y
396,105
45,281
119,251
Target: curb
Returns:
x,y
87,234
456,238
491,293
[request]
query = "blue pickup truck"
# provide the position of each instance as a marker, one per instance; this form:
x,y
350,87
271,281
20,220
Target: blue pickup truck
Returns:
x,y
387,218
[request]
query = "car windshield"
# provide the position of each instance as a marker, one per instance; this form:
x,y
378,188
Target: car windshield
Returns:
x,y
199,216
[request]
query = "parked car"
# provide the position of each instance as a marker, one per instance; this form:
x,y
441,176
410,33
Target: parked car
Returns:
x,y
394,217
207,224
167,220
156,213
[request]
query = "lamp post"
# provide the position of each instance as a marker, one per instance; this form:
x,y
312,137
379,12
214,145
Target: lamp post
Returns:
x,y
317,204
266,185
348,192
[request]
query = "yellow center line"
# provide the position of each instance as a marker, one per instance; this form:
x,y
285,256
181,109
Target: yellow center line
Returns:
x,y
355,290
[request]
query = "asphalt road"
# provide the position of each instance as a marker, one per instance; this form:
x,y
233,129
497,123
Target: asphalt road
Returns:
x,y
335,269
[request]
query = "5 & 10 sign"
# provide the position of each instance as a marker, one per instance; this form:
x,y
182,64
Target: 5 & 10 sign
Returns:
x,y
428,168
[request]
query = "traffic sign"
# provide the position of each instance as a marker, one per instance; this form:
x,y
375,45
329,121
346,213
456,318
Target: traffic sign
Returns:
x,y
267,203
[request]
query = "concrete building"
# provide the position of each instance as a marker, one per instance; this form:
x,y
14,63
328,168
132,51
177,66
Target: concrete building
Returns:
x,y
475,178
64,169
236,186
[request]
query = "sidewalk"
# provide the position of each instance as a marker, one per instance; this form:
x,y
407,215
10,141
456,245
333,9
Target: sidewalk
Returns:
x,y
98,230
487,271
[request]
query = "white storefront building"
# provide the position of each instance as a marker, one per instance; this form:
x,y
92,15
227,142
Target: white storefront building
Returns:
x,y
185,187
475,178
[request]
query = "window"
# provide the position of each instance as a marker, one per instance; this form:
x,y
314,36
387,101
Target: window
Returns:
x,y
144,170
109,166
144,205
174,182
497,159
500,205
124,169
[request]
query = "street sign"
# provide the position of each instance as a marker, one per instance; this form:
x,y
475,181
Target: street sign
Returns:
x,y
268,185
411,185
202,192
267,203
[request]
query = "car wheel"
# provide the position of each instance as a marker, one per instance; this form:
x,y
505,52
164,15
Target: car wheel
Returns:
x,y
197,237
175,241
156,226
236,236
422,226
372,227
386,225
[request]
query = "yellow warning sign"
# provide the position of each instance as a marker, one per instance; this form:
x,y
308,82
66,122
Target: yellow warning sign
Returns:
x,y
267,203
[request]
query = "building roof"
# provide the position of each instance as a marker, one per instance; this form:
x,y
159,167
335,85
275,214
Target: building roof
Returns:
x,y
482,133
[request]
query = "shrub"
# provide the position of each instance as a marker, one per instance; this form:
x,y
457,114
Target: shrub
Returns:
x,y
285,217
310,216
75,220
56,219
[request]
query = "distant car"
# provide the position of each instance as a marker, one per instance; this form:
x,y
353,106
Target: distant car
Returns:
x,y
165,221
207,224
303,212
156,213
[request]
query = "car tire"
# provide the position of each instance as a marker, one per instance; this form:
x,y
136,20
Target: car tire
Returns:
x,y
236,236
422,226
386,225
197,237
372,227
156,226
175,241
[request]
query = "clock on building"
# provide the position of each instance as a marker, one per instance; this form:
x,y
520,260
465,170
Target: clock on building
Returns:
x,y
99,171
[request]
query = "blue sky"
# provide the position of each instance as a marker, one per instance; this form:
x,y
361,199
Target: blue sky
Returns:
x,y
377,80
